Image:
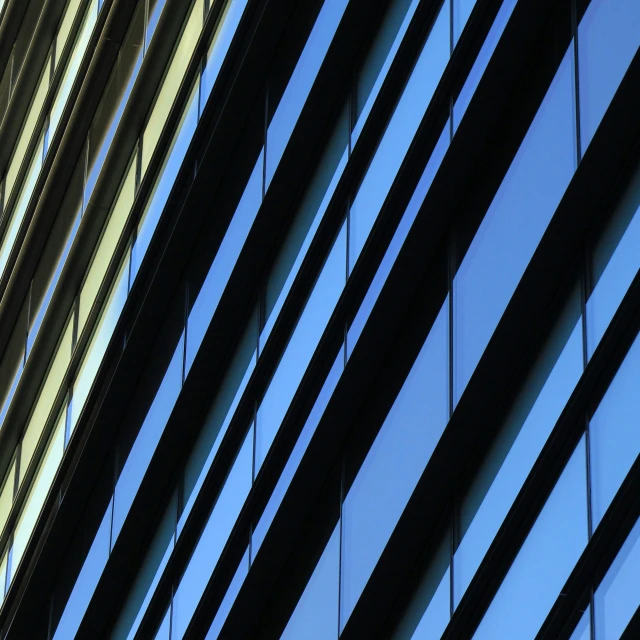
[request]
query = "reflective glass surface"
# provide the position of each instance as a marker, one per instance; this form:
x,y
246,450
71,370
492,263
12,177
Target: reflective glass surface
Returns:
x,y
545,560
394,464
607,41
514,224
618,596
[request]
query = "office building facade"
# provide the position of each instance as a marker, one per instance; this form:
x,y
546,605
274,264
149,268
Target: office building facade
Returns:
x,y
319,319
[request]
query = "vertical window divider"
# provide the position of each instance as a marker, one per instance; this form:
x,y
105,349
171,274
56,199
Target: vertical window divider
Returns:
x,y
576,77
342,478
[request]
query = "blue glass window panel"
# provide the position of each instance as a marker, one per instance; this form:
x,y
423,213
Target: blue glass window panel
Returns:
x,y
12,389
302,79
617,275
428,611
316,614
519,461
608,38
583,630
224,262
147,439
301,347
481,62
394,464
299,449
379,51
514,224
437,615
382,74
164,631
232,13
614,433
461,12
33,332
213,539
87,581
164,182
155,558
399,134
220,415
545,560
108,138
229,597
618,596
398,239
152,588
306,222
153,22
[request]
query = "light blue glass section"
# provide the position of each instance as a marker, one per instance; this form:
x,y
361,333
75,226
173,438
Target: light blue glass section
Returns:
x,y
461,12
617,275
164,182
518,462
301,346
399,134
302,79
147,439
394,464
298,452
87,581
583,630
219,47
437,614
213,539
398,239
229,598
224,262
514,224
608,38
316,614
379,57
427,612
618,596
614,433
164,631
545,560
480,65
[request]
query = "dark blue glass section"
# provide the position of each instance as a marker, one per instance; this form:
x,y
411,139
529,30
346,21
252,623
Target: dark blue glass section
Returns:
x,y
532,432
608,38
545,560
87,581
616,261
213,539
398,239
461,12
479,66
394,463
614,433
514,224
618,596
302,79
147,439
399,134
301,346
298,452
224,262
316,614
